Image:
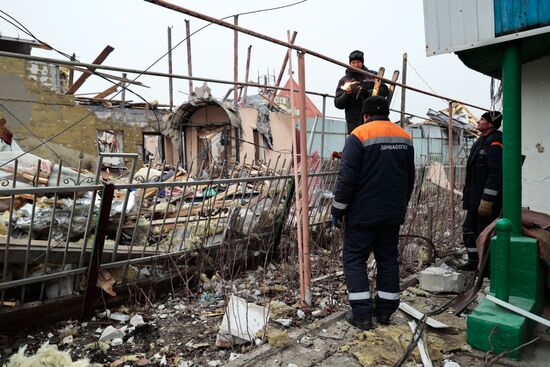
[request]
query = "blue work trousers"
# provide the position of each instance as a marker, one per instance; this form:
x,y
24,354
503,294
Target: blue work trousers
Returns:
x,y
359,242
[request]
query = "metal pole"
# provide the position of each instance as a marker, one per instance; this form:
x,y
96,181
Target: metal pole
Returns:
x,y
451,171
92,291
323,127
71,72
296,181
244,89
236,62
511,160
123,96
503,229
312,135
303,174
403,90
211,80
189,63
207,18
281,72
170,82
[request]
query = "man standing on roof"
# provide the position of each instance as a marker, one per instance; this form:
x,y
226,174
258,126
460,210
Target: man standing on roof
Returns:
x,y
482,196
353,88
375,182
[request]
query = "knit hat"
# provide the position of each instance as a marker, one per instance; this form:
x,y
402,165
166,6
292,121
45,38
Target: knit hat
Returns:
x,y
376,105
494,117
356,55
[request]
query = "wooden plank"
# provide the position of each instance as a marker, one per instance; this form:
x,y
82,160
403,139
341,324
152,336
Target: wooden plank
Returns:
x,y
109,76
98,60
107,92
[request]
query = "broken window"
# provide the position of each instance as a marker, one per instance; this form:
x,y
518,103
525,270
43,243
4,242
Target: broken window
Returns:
x,y
111,141
153,147
214,145
260,144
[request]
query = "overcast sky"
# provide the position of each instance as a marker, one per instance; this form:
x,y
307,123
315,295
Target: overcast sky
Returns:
x,y
137,30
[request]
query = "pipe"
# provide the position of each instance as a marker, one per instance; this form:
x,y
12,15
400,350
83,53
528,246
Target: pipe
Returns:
x,y
304,182
189,60
511,159
144,72
170,82
323,127
210,19
282,71
451,170
236,62
246,74
312,135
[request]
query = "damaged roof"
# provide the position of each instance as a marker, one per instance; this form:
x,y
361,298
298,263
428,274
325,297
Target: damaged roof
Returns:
x,y
184,112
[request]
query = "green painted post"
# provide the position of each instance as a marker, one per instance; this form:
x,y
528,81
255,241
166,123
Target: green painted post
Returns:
x,y
511,90
502,288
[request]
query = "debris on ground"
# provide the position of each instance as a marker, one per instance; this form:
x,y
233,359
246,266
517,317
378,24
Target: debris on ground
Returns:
x,y
47,355
441,279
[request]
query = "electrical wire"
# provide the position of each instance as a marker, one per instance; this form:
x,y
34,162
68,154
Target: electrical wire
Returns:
x,y
43,142
29,130
28,32
420,76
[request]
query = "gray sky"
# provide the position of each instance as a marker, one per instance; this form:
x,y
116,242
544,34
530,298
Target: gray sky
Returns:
x,y
138,32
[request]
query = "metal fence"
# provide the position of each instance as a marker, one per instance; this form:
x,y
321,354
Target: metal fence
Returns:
x,y
65,240
159,222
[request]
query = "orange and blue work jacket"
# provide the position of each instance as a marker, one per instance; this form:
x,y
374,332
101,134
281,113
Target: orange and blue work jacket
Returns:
x,y
376,174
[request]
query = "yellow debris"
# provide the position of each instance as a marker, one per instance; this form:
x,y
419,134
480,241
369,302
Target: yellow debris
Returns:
x,y
46,356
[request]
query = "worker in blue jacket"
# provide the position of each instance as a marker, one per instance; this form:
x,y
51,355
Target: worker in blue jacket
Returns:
x,y
374,185
482,196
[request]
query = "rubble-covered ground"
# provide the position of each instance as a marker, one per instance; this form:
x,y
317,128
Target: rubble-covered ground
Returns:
x,y
181,328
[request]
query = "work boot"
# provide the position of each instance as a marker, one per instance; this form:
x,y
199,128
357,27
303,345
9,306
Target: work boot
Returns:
x,y
363,324
470,265
383,319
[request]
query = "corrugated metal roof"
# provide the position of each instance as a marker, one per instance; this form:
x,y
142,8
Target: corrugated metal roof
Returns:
x,y
461,25
519,15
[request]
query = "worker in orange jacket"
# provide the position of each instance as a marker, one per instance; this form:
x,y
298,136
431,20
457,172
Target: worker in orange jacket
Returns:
x,y
374,185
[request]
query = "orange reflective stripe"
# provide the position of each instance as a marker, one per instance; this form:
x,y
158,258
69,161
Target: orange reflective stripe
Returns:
x,y
377,129
497,143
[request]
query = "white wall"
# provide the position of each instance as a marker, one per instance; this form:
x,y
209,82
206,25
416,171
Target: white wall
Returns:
x,y
536,134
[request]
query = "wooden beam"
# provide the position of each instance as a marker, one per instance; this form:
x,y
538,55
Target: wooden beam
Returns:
x,y
109,76
107,92
98,60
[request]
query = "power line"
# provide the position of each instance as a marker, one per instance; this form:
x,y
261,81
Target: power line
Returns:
x,y
24,29
420,76
29,130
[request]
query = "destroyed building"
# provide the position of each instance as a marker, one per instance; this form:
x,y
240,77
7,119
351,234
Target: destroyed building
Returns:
x,y
35,94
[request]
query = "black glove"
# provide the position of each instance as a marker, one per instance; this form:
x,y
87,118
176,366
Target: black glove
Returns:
x,y
337,217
